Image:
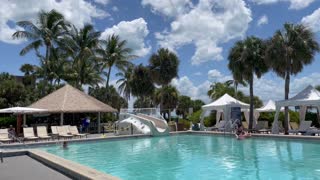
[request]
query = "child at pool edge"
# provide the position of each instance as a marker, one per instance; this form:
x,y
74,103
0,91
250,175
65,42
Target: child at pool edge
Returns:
x,y
240,133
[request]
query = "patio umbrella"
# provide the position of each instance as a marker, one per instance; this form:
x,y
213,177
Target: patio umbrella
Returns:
x,y
21,110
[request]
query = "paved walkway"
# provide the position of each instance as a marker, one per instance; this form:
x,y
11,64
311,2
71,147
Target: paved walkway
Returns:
x,y
24,167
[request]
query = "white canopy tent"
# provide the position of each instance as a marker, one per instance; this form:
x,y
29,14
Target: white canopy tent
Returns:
x,y
269,107
223,104
307,97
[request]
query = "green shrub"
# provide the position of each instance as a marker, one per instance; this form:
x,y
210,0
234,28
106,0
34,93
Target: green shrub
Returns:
x,y
186,123
7,121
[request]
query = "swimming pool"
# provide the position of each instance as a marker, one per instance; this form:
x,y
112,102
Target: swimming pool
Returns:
x,y
198,157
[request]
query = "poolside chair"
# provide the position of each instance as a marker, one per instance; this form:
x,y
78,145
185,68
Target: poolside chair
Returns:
x,y
62,132
294,126
303,128
74,131
42,132
262,127
245,125
28,134
4,136
219,126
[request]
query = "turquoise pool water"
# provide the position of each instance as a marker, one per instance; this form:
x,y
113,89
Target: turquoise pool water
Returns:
x,y
198,157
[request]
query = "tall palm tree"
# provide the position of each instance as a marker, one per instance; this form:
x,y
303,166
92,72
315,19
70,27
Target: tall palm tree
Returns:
x,y
114,53
167,97
246,60
124,82
81,45
50,26
288,51
163,66
141,84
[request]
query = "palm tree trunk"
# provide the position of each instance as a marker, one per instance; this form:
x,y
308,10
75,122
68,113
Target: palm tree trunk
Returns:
x,y
286,109
251,104
45,79
108,77
169,115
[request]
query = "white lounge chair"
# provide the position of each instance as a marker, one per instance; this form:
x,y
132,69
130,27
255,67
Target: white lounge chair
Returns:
x,y
62,131
42,132
28,134
4,136
303,128
74,131
219,126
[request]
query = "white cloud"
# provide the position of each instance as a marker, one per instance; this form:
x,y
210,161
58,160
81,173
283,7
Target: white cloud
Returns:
x,y
78,12
115,9
103,2
214,74
264,88
169,8
186,87
263,20
207,25
312,20
197,73
134,32
294,4
274,88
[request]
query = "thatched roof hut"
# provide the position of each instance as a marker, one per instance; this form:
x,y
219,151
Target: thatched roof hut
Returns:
x,y
71,100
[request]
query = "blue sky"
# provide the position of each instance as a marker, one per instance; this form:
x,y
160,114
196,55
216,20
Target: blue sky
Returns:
x,y
200,32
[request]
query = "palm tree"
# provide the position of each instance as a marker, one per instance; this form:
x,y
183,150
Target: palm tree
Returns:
x,y
218,89
141,84
246,60
288,51
163,66
50,26
124,82
114,53
81,45
167,97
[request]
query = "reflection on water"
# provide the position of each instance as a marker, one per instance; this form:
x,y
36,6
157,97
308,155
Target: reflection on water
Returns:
x,y
198,157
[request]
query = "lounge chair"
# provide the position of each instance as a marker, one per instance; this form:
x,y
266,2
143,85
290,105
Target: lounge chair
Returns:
x,y
42,132
294,126
28,134
262,127
218,127
62,132
303,128
245,125
74,131
4,136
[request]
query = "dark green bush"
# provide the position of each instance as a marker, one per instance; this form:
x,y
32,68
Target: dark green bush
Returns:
x,y
7,121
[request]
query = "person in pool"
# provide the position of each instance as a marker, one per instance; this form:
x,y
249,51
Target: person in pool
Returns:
x,y
240,133
65,145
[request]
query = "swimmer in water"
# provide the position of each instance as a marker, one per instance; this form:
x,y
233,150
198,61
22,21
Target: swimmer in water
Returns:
x,y
240,133
65,145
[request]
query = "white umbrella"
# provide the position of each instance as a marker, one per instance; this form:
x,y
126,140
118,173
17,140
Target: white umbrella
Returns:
x,y
21,110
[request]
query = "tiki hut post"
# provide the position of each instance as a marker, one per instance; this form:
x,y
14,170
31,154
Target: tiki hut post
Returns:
x,y
99,118
61,119
24,120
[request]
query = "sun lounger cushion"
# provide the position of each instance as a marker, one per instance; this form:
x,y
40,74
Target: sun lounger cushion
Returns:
x,y
42,132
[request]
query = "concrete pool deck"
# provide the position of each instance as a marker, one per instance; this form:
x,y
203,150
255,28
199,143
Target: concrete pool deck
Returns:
x,y
24,167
